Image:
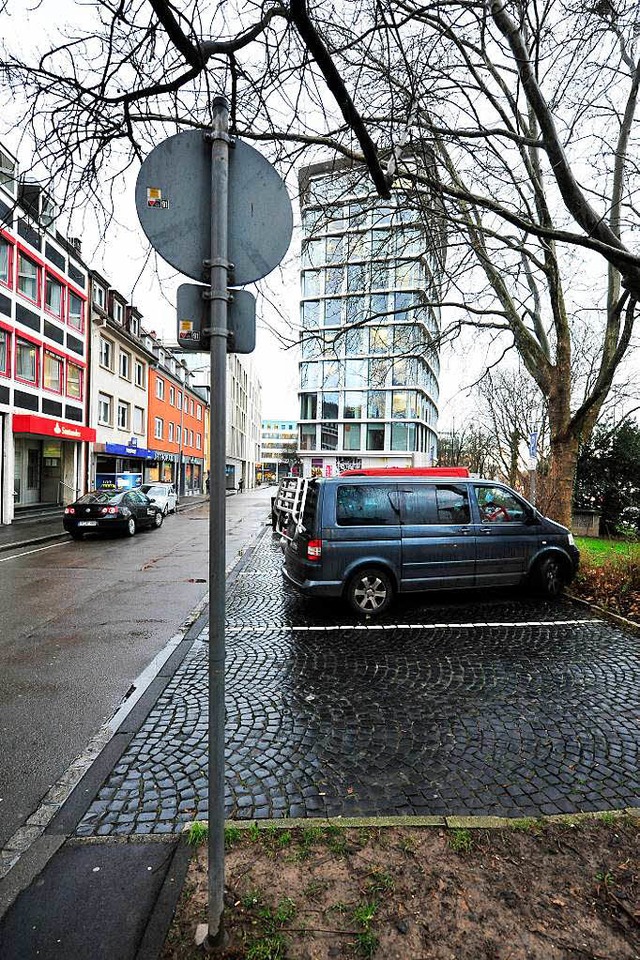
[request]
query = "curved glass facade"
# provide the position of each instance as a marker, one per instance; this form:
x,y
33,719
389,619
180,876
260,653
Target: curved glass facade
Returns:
x,y
369,324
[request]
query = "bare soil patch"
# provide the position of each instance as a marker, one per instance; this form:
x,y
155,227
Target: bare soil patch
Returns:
x,y
537,890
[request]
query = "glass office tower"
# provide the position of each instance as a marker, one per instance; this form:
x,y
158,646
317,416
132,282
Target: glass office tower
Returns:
x,y
369,325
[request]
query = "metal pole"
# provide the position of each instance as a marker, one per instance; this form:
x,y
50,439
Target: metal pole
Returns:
x,y
217,514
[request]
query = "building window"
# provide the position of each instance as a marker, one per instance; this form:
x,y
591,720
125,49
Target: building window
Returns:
x,y
138,420
354,405
179,401
158,428
329,406
106,353
76,312
170,437
52,372
4,352
375,437
99,295
198,412
329,436
307,436
105,409
53,296
160,388
376,404
7,172
26,361
6,257
352,436
74,381
172,396
123,415
308,406
191,407
118,312
28,278
198,442
139,374
178,433
125,365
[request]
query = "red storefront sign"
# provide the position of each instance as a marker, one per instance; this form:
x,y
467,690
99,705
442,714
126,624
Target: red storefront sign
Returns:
x,y
43,426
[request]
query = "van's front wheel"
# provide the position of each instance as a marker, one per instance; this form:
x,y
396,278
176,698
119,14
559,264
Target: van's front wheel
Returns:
x,y
370,591
550,578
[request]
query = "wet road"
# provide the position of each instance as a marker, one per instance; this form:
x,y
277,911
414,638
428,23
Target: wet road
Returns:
x,y
80,622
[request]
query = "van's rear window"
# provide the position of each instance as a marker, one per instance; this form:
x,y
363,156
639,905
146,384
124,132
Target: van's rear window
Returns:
x,y
359,505
310,505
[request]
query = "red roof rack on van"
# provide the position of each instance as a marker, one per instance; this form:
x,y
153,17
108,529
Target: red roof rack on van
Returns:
x,y
407,472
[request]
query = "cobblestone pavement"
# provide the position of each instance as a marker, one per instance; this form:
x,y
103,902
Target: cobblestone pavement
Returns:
x,y
500,705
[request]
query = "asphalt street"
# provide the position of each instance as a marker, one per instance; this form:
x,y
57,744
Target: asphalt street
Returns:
x,y
80,622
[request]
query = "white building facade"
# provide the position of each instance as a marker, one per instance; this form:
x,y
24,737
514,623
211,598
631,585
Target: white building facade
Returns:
x,y
369,318
119,457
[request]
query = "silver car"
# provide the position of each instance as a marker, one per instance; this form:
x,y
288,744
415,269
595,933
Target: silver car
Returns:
x,y
162,494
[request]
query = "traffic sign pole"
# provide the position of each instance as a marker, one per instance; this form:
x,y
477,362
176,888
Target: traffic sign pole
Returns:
x,y
218,267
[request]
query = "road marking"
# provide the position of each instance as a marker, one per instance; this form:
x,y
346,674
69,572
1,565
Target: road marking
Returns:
x,y
280,628
16,556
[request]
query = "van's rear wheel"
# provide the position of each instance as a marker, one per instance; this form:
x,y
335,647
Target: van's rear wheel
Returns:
x,y
550,577
370,591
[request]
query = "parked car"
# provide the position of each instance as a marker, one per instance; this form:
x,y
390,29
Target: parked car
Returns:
x,y
104,510
164,494
366,538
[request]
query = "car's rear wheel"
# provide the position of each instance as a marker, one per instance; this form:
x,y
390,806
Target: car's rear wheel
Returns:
x,y
159,517
166,509
550,577
370,591
131,527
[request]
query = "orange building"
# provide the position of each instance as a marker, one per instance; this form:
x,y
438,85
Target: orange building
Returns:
x,y
176,426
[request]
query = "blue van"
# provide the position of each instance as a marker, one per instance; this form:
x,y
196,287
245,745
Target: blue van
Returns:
x,y
366,538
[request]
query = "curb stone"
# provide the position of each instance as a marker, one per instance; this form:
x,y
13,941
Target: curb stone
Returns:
x,y
449,822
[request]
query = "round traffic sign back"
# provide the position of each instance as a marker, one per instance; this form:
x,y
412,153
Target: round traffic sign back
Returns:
x,y
173,201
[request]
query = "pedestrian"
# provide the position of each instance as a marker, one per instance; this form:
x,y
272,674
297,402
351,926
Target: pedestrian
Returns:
x,y
240,484
207,483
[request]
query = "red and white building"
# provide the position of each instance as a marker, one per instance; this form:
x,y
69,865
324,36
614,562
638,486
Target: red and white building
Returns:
x,y
44,288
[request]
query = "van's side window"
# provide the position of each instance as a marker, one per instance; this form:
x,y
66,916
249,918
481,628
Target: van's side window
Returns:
x,y
419,504
360,505
498,505
452,504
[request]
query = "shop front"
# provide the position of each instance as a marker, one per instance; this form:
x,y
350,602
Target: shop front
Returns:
x,y
184,471
120,466
47,460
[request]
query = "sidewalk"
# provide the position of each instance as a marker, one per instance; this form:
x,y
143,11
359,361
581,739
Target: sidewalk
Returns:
x,y
99,898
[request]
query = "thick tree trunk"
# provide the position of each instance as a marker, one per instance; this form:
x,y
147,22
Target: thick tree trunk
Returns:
x,y
561,479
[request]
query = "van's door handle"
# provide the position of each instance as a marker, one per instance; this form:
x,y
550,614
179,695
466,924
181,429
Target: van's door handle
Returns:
x,y
465,531
485,531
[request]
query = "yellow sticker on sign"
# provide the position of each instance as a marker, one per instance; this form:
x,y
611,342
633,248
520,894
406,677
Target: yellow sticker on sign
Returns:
x,y
154,198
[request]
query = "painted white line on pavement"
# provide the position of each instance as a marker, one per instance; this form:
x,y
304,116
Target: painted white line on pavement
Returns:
x,y
17,556
282,628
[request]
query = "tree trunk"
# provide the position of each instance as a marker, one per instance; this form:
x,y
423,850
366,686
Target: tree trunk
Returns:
x,y
561,478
